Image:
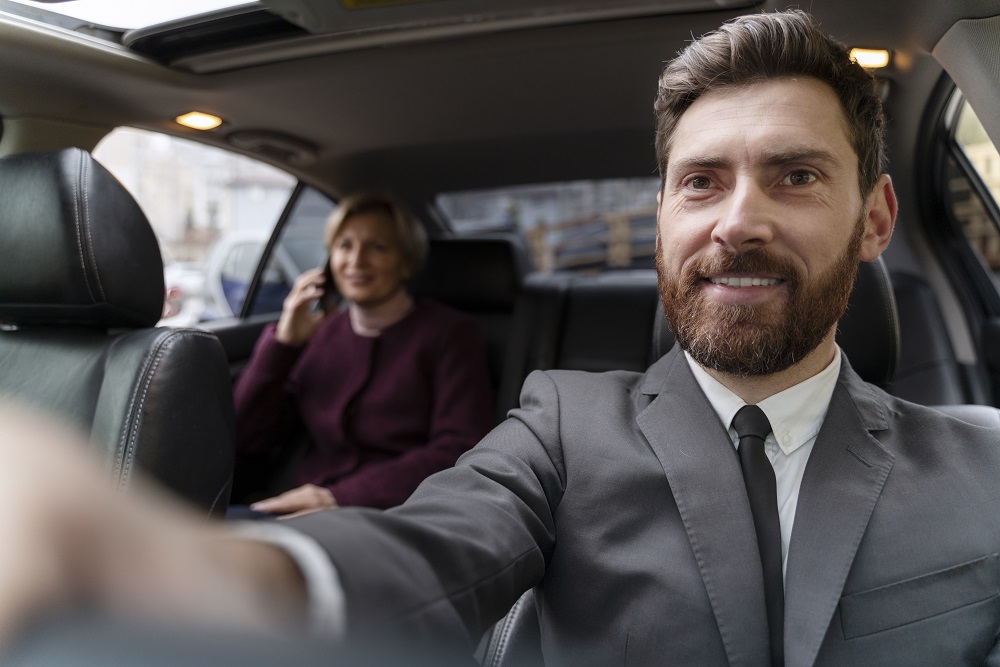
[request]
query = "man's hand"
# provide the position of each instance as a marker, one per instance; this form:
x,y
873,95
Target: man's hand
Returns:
x,y
71,542
298,501
51,494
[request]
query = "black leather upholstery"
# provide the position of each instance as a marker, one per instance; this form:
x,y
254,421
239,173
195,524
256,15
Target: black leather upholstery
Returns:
x,y
81,285
76,247
577,322
516,639
869,331
474,274
928,371
482,276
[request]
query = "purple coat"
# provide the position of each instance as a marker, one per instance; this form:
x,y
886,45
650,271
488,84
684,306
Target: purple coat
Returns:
x,y
382,413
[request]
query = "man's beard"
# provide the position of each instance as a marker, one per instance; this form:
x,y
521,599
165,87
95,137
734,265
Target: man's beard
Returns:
x,y
751,340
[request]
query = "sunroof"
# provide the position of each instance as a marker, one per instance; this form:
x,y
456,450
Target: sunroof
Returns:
x,y
120,15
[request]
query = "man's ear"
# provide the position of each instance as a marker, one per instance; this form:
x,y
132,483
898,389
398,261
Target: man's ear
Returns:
x,y
659,204
880,218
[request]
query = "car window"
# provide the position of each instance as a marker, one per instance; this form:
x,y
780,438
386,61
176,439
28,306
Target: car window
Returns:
x,y
590,226
238,266
299,246
240,262
974,187
201,201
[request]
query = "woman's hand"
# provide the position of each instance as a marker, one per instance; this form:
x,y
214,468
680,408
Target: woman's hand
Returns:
x,y
299,321
302,500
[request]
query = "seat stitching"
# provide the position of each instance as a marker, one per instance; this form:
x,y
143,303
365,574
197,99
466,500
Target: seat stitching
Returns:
x,y
85,166
129,433
147,374
148,380
79,235
218,496
506,630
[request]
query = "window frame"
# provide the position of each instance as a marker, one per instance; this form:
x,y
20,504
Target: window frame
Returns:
x,y
253,288
968,274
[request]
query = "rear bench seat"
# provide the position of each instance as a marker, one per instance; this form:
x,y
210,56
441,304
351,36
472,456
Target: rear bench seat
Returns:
x,y
574,322
606,322
483,277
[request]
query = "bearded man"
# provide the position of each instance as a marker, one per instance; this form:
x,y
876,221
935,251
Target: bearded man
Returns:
x,y
748,500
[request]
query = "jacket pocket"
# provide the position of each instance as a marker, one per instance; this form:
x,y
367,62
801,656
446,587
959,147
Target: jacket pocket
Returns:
x,y
921,597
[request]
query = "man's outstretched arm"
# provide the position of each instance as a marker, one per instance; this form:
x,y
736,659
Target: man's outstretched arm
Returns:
x,y
446,565
71,543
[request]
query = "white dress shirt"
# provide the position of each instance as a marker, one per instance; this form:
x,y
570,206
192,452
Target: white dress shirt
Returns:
x,y
796,415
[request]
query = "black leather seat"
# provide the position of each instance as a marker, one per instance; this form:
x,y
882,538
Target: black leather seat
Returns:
x,y
578,322
81,288
600,323
482,276
869,334
928,373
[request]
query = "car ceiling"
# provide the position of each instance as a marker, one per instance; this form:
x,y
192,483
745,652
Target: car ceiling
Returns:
x,y
421,107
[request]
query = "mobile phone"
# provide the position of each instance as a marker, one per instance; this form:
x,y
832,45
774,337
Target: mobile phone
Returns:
x,y
330,300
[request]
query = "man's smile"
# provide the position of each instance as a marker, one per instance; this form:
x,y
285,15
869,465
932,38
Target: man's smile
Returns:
x,y
743,281
743,289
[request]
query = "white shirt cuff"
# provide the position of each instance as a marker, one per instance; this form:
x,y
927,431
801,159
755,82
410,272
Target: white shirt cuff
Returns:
x,y
327,607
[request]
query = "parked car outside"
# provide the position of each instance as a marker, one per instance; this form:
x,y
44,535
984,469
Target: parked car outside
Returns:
x,y
229,270
183,298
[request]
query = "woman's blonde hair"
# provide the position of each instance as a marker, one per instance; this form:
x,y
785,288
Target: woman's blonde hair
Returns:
x,y
409,232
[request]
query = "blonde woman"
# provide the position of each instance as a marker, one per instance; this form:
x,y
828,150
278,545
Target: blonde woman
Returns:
x,y
389,389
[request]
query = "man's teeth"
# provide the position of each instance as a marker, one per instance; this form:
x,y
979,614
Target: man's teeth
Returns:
x,y
744,282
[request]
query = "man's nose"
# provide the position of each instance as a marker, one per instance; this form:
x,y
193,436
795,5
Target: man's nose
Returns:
x,y
747,218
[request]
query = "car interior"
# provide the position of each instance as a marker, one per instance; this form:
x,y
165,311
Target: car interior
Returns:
x,y
82,341
442,103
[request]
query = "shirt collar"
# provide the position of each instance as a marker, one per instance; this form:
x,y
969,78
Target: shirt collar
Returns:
x,y
796,414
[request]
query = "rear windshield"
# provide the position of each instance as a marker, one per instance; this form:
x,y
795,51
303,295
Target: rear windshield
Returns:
x,y
589,226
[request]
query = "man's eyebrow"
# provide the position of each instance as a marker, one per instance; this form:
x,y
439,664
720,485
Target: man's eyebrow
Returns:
x,y
771,158
698,162
789,156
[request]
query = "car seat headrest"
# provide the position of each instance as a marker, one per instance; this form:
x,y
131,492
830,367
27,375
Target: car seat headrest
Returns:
x,y
481,273
75,248
868,332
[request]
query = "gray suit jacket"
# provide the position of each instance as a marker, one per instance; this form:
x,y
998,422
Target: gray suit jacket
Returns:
x,y
619,497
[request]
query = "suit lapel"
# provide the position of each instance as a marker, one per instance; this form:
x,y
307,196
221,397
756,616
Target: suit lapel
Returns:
x,y
704,475
841,485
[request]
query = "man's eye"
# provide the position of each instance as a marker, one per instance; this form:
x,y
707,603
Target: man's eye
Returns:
x,y
800,177
699,183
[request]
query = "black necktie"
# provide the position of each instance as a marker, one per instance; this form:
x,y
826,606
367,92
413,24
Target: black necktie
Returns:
x,y
752,427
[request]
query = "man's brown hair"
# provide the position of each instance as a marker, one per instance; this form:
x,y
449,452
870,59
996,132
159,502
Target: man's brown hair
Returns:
x,y
761,47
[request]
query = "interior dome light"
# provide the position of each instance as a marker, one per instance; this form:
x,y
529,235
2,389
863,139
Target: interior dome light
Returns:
x,y
197,120
870,58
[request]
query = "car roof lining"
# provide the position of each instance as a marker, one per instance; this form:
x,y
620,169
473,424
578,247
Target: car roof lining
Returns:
x,y
414,111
